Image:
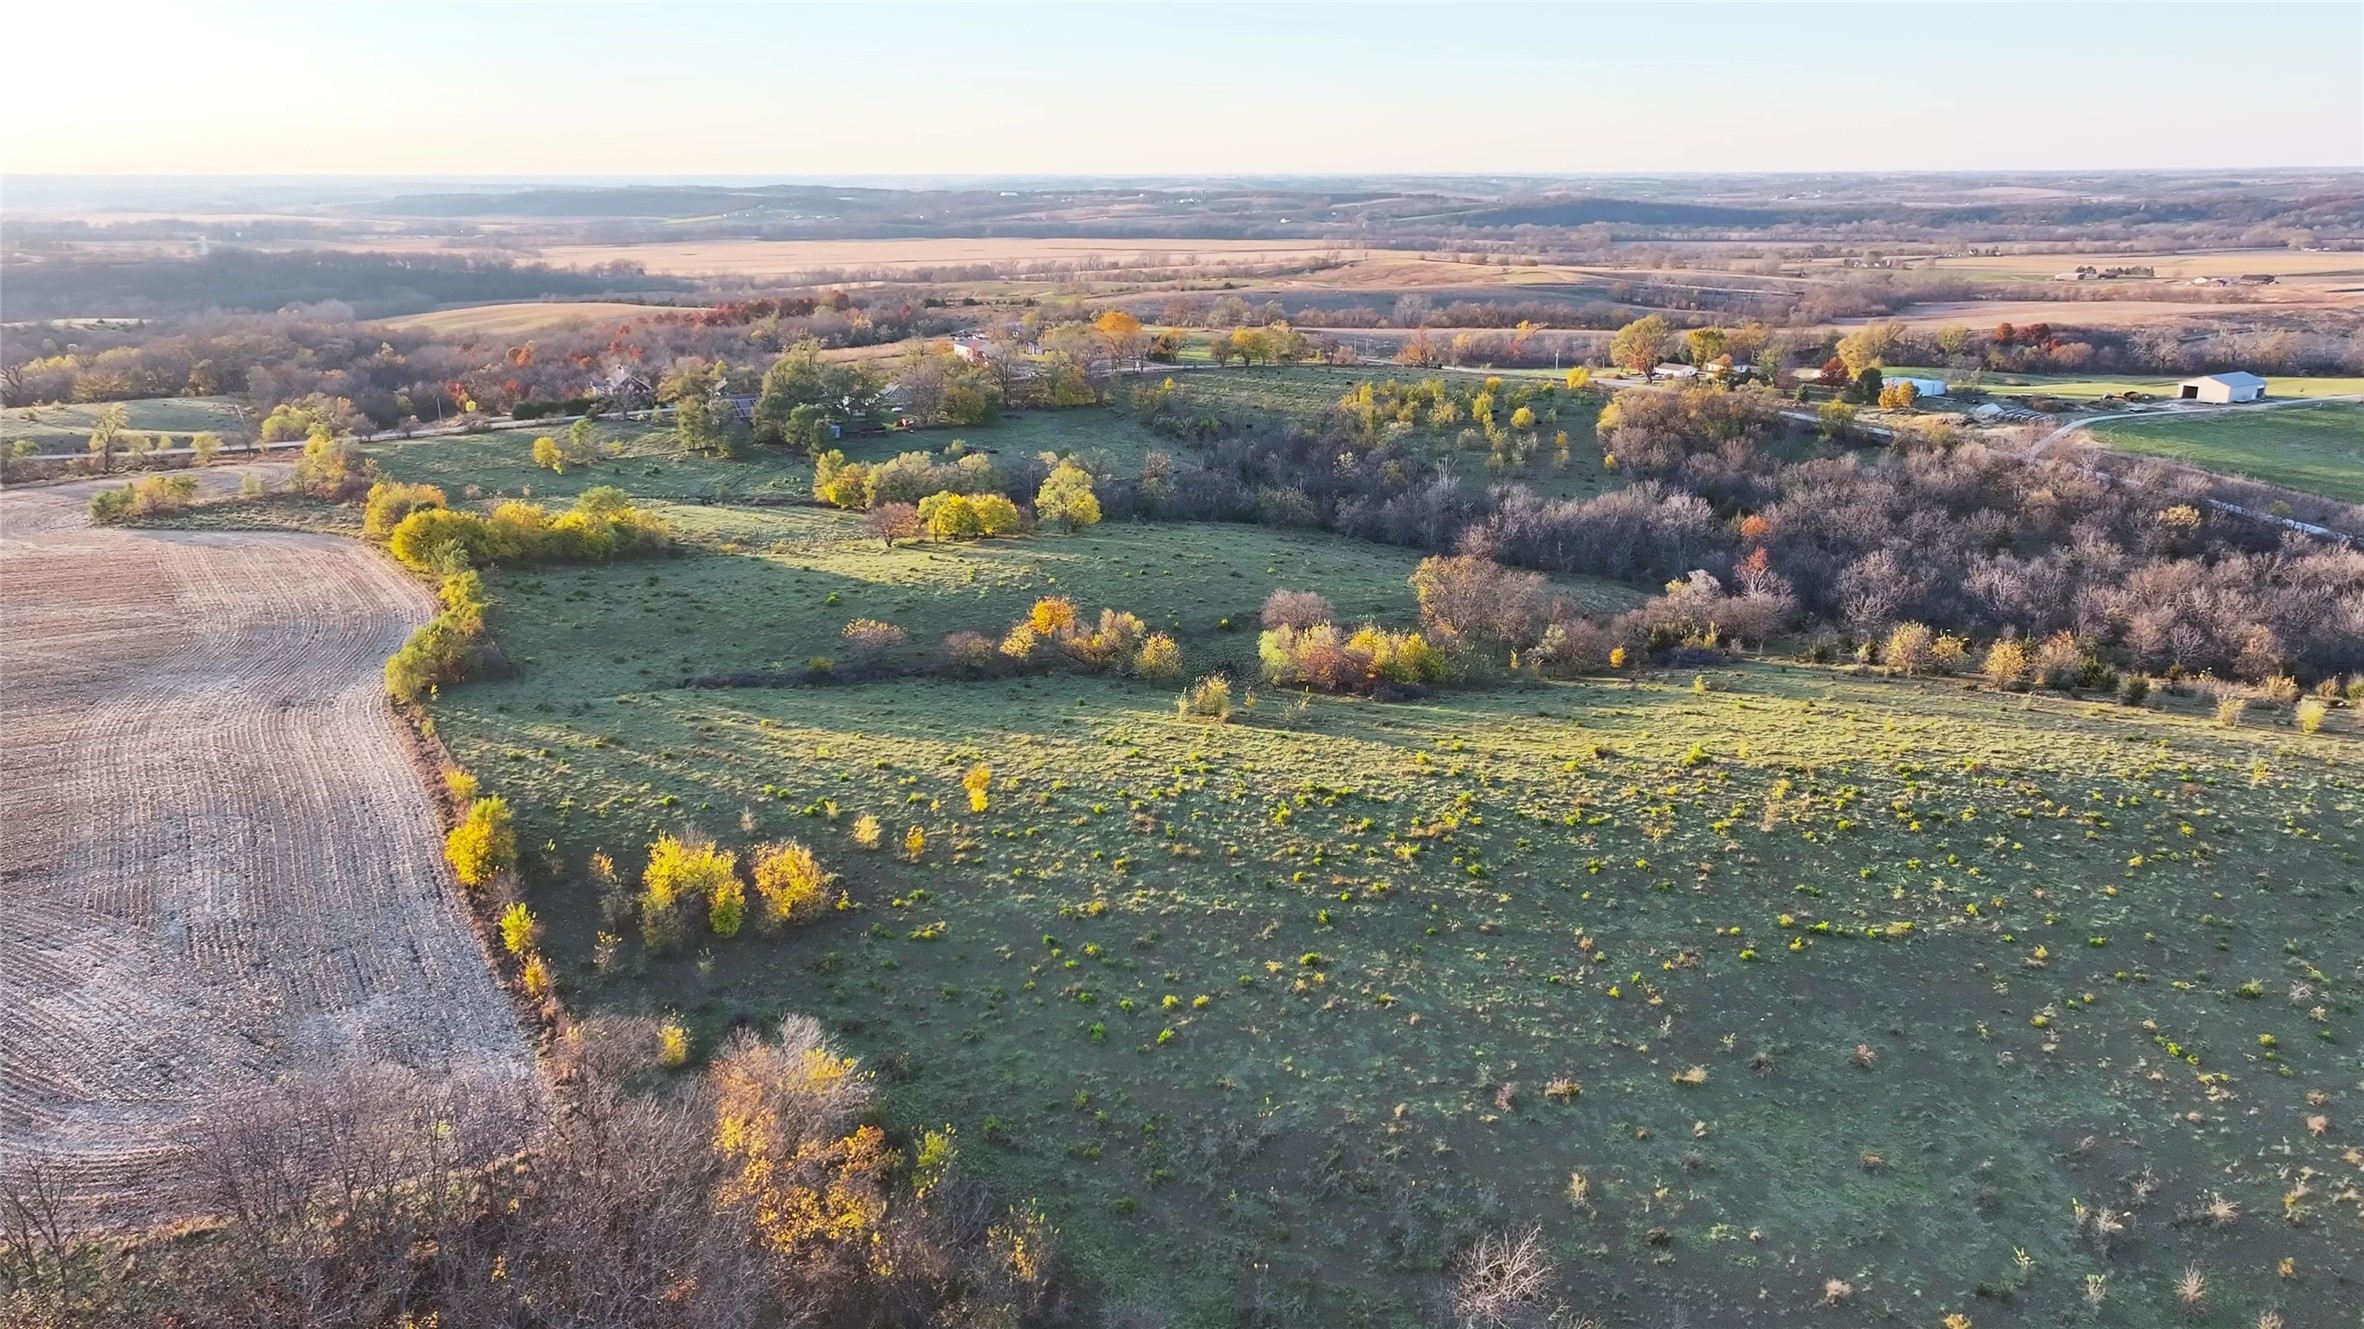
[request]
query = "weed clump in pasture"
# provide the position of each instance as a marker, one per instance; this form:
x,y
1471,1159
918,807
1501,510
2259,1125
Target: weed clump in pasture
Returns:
x,y
1208,699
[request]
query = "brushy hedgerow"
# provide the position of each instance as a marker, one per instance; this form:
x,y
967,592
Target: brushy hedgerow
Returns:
x,y
448,648
147,496
1326,657
949,516
603,524
1117,642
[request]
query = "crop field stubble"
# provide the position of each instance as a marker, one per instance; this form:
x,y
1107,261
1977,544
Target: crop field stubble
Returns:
x,y
1284,1013
221,866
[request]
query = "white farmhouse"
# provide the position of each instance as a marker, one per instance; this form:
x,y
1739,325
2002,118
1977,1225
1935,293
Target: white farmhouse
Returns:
x,y
2223,388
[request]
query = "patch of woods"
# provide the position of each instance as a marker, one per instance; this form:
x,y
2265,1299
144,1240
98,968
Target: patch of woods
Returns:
x,y
1841,544
428,536
635,1189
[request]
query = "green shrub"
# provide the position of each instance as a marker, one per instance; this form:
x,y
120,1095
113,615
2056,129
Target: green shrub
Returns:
x,y
483,844
390,501
145,497
680,872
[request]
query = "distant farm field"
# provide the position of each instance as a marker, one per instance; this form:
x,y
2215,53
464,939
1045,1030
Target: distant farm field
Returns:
x,y
2086,313
2285,265
786,258
2318,449
515,319
67,428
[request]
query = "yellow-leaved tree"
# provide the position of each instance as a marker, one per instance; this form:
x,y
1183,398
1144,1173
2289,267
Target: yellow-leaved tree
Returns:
x,y
1066,497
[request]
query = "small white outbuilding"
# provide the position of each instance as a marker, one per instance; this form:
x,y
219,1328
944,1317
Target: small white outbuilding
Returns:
x,y
1922,387
2223,388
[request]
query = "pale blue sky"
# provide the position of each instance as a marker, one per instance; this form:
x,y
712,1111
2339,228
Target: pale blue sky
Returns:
x,y
575,89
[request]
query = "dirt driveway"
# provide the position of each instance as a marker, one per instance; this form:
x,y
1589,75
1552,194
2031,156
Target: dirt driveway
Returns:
x,y
217,864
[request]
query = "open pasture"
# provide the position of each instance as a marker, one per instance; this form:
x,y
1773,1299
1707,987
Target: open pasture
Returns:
x,y
649,463
66,428
1708,979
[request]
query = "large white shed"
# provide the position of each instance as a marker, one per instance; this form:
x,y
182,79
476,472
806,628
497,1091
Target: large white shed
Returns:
x,y
2224,388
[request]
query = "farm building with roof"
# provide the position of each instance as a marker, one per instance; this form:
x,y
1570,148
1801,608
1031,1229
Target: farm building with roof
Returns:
x,y
2223,388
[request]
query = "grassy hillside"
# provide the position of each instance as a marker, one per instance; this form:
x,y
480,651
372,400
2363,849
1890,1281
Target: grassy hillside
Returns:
x,y
67,428
2319,449
1805,975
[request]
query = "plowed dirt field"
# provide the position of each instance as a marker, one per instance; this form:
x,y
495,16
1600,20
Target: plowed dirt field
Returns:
x,y
218,865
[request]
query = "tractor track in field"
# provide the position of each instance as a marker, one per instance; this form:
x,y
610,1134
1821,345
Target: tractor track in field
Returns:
x,y
218,865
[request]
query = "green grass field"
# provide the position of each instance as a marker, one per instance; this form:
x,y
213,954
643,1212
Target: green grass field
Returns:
x,y
647,462
2082,388
2318,449
67,428
1270,1014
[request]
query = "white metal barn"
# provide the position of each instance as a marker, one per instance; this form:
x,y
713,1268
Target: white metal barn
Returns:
x,y
1922,387
2223,388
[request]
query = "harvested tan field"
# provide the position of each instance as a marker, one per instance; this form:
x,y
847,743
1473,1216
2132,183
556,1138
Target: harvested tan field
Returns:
x,y
782,258
2291,267
509,320
221,867
2098,313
